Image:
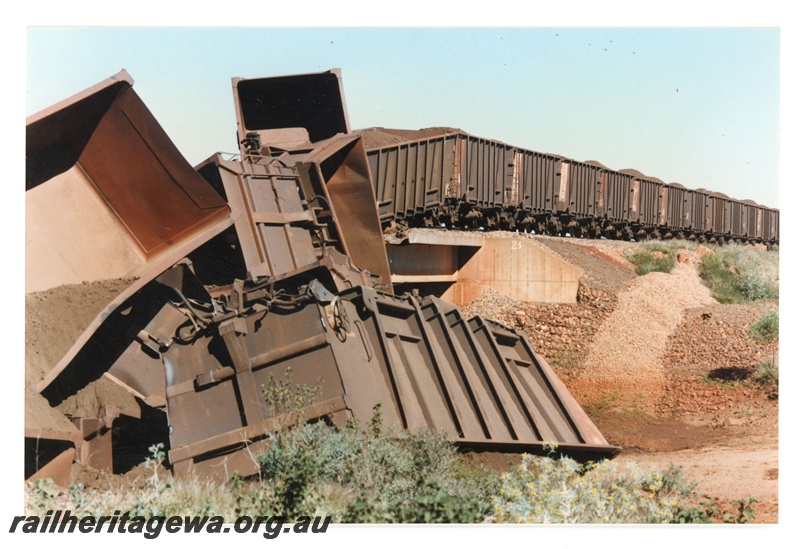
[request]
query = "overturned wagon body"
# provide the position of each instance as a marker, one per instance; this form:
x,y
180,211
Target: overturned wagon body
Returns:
x,y
274,272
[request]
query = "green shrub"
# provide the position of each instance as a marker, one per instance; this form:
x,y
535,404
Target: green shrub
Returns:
x,y
380,475
377,475
646,262
708,512
738,274
765,328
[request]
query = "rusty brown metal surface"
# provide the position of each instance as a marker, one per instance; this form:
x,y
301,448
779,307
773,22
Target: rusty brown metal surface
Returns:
x,y
51,452
497,186
287,212
582,193
312,101
109,194
540,178
276,227
332,167
696,201
274,274
488,171
56,136
412,177
426,365
342,165
95,450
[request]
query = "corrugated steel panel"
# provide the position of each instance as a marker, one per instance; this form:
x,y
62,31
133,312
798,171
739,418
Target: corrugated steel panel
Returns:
x,y
751,218
493,176
412,177
735,218
720,222
617,197
699,218
276,227
678,211
488,169
645,202
383,167
541,175
583,182
425,364
760,221
773,225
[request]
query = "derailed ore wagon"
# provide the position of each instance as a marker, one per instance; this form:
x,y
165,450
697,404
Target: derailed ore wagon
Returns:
x,y
251,268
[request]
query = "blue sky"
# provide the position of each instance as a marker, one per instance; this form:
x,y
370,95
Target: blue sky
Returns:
x,y
699,106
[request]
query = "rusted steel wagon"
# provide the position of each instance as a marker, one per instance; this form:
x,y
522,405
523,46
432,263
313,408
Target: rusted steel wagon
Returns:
x,y
262,267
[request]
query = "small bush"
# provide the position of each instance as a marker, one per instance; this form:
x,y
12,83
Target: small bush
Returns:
x,y
286,397
709,512
544,490
654,258
767,372
765,328
738,274
373,476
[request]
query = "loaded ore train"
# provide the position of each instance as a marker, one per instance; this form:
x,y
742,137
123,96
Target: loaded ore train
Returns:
x,y
446,177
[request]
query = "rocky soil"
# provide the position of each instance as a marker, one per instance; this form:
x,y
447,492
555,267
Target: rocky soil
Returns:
x,y
664,370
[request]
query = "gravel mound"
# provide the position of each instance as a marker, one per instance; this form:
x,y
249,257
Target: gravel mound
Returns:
x,y
624,359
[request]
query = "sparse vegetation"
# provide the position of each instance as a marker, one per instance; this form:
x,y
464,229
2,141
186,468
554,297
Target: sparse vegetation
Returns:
x,y
708,511
375,475
738,274
284,396
765,328
564,362
545,490
767,372
653,258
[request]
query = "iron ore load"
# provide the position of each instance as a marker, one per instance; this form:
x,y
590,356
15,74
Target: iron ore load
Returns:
x,y
258,269
445,177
